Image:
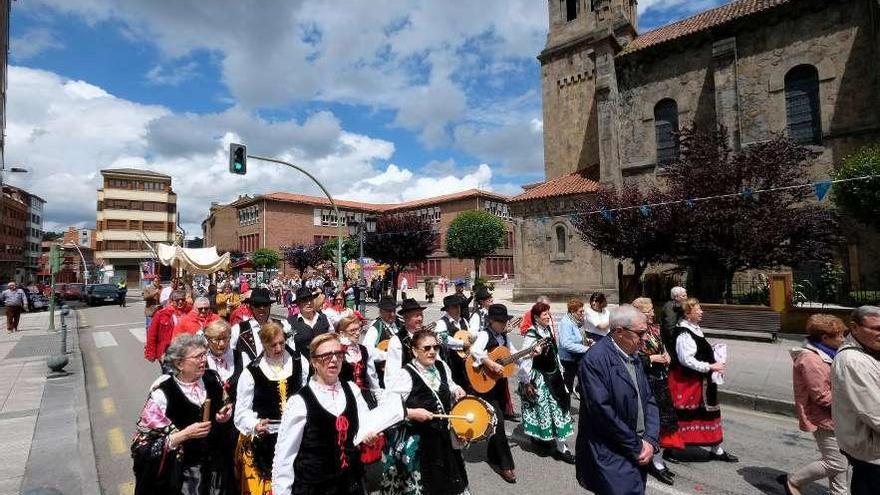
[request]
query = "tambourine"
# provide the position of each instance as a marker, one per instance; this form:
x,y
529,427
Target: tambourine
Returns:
x,y
472,419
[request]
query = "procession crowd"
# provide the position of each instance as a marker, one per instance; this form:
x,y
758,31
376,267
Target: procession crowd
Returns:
x,y
247,403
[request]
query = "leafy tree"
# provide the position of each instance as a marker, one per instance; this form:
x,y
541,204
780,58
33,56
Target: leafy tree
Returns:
x,y
742,229
302,257
48,235
860,199
265,258
474,235
400,241
641,235
329,248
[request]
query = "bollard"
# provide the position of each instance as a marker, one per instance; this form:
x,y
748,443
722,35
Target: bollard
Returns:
x,y
58,362
65,311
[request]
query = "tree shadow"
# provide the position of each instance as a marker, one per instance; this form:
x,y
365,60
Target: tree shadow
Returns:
x,y
764,480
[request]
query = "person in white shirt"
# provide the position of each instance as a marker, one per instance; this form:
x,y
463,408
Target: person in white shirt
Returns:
x,y
404,286
165,294
263,390
359,365
596,317
399,347
315,449
245,336
382,329
478,320
228,365
447,327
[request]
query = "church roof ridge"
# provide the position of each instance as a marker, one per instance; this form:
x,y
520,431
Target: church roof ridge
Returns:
x,y
579,182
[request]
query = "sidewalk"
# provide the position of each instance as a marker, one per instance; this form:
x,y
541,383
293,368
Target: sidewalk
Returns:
x,y
44,422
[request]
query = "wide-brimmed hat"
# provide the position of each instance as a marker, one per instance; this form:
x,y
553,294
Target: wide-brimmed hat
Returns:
x,y
482,293
260,297
453,300
498,312
458,281
387,302
408,305
304,294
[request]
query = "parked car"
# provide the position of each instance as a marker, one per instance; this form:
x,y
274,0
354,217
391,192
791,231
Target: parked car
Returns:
x,y
73,291
37,301
84,294
103,294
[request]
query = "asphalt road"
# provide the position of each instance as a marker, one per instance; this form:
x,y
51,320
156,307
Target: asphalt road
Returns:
x,y
117,380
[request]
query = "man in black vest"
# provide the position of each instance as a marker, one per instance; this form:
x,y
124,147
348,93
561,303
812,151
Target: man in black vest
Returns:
x,y
447,327
465,301
383,328
399,348
309,323
484,299
245,337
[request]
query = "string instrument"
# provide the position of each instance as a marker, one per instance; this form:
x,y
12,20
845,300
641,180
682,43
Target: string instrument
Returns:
x,y
483,379
383,344
464,336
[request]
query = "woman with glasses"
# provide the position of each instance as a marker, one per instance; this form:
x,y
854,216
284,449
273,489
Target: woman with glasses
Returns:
x,y
335,309
263,390
656,363
228,365
196,320
359,365
174,450
161,329
545,416
316,454
419,456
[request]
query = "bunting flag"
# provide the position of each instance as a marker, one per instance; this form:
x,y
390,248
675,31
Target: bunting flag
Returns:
x,y
821,189
646,210
689,203
747,193
608,216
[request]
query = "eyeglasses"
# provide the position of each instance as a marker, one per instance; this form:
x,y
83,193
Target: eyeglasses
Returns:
x,y
426,348
198,357
641,334
217,340
328,356
203,309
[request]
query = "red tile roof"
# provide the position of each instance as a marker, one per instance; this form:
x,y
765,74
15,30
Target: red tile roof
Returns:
x,y
470,193
575,183
703,21
383,207
318,201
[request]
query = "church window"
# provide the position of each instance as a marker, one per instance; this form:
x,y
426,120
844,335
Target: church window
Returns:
x,y
666,130
570,10
560,239
802,105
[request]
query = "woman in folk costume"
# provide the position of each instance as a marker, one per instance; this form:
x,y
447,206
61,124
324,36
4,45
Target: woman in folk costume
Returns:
x,y
694,394
656,363
358,366
315,453
420,457
545,416
263,390
174,451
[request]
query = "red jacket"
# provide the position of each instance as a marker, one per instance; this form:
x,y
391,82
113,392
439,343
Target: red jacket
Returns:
x,y
160,332
812,388
191,323
240,314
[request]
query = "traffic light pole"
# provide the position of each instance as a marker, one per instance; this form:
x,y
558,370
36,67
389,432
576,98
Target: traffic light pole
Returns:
x,y
339,272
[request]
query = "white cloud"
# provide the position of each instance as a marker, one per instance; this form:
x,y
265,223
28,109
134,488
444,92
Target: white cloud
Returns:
x,y
395,185
33,43
173,75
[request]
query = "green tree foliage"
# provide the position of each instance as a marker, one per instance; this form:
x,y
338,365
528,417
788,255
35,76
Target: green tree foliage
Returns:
x,y
349,248
860,199
303,257
265,258
400,241
474,235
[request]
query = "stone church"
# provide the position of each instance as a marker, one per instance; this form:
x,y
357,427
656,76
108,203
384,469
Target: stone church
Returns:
x,y
614,99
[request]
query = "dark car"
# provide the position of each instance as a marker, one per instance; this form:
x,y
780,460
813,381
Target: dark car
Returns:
x,y
84,295
103,294
37,301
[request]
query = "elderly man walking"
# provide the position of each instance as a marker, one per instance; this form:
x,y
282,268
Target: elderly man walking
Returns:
x,y
15,300
619,429
855,404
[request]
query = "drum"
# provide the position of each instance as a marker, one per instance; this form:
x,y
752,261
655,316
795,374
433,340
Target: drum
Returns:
x,y
475,419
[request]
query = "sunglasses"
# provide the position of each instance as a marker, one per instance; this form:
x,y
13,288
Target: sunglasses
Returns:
x,y
203,309
328,356
426,348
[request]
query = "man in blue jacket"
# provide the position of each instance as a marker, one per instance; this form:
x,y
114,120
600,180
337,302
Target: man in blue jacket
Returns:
x,y
619,426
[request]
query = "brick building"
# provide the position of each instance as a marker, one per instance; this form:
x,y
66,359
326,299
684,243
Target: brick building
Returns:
x,y
133,206
615,98
13,262
284,219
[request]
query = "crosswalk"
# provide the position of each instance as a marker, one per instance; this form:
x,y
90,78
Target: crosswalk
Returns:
x,y
106,339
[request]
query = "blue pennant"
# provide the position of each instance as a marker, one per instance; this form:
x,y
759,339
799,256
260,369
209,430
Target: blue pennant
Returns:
x,y
689,203
608,216
821,189
747,193
646,210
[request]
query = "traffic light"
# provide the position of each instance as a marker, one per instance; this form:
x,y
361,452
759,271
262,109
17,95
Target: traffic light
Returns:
x,y
237,159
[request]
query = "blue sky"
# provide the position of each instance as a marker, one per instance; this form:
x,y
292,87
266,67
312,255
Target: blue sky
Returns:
x,y
384,101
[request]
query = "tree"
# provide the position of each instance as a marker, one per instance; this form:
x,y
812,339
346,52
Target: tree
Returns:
x,y
474,235
302,257
860,199
400,241
640,234
742,229
349,248
265,258
51,236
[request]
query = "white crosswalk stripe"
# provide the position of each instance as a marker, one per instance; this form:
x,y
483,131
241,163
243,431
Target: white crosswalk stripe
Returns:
x,y
104,339
139,333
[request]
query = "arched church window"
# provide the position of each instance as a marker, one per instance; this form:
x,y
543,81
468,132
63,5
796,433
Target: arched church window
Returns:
x,y
666,130
802,105
561,238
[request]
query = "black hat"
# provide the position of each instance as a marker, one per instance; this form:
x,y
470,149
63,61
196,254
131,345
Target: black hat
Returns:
x,y
260,297
498,312
303,294
482,293
409,304
453,300
387,302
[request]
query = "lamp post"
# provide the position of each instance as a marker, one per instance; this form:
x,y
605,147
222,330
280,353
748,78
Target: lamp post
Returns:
x,y
83,258
358,229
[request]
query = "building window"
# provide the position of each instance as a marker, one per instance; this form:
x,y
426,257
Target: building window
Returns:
x,y
802,105
666,130
560,240
498,209
249,215
571,12
117,225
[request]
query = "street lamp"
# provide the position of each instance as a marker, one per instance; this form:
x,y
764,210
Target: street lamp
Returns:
x,y
83,258
358,229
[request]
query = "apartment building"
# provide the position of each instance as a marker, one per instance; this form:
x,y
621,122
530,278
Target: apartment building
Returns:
x,y
134,207
13,233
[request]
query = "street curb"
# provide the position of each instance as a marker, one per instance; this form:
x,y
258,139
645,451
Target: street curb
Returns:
x,y
756,403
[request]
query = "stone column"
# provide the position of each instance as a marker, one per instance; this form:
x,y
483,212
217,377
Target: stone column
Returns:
x,y
726,90
606,106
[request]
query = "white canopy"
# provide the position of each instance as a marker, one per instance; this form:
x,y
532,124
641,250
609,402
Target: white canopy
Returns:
x,y
194,260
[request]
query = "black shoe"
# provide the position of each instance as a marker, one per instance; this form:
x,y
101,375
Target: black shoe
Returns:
x,y
724,456
663,475
670,458
566,457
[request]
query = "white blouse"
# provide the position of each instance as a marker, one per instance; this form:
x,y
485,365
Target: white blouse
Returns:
x,y
686,348
245,417
593,318
224,365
